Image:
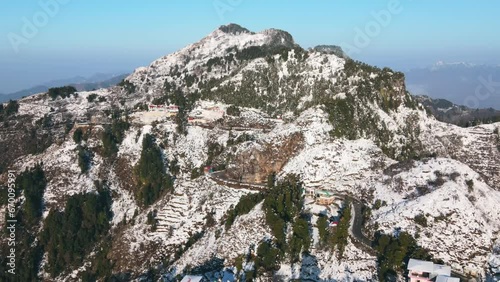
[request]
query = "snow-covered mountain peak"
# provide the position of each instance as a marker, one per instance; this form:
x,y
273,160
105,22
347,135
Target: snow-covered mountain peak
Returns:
x,y
220,47
331,49
235,36
272,36
233,28
279,37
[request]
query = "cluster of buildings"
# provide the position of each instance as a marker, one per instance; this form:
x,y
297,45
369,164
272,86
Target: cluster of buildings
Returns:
x,y
324,198
418,271
426,271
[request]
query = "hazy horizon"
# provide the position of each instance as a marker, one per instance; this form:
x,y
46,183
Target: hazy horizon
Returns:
x,y
73,38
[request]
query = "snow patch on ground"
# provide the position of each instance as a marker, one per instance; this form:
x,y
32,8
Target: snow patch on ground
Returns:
x,y
461,220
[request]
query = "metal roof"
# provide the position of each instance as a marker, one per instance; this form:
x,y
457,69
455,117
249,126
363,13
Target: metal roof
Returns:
x,y
192,278
420,266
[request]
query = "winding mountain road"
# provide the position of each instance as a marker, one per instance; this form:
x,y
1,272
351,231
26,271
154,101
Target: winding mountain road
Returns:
x,y
356,224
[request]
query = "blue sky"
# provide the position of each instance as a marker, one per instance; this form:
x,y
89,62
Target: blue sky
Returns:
x,y
85,37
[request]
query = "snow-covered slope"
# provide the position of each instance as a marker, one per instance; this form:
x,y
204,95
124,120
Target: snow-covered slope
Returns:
x,y
462,219
337,124
190,59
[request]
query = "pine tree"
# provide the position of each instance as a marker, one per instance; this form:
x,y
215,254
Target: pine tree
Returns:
x,y
151,172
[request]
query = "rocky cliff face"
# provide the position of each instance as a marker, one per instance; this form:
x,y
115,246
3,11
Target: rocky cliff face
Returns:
x,y
255,163
336,124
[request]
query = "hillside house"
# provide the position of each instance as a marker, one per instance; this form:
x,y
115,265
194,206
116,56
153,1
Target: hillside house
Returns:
x,y
173,109
444,278
426,271
214,109
324,197
208,169
163,110
309,192
196,120
157,108
192,278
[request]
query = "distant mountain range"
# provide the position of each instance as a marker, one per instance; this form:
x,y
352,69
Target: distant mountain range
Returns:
x,y
96,81
475,86
448,112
